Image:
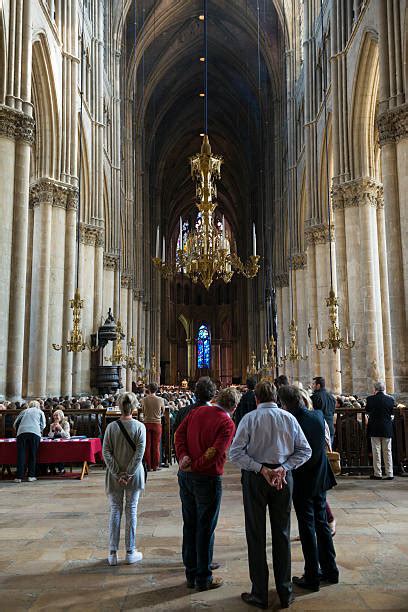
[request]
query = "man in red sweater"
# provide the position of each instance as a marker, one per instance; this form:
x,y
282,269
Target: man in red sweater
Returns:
x,y
201,443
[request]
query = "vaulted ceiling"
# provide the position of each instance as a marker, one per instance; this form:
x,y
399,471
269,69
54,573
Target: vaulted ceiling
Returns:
x,y
164,43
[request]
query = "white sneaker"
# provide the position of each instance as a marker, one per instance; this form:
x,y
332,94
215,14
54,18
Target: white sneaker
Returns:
x,y
113,559
134,557
17,480
32,479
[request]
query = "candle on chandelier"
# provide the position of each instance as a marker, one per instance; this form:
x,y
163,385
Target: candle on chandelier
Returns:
x,y
181,233
317,339
254,238
164,250
353,337
259,365
157,242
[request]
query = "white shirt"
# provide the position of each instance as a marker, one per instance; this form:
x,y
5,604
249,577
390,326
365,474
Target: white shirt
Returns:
x,y
269,435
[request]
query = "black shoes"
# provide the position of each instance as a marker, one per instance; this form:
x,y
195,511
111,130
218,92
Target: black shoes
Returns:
x,y
373,477
303,583
285,603
390,478
214,566
331,579
251,600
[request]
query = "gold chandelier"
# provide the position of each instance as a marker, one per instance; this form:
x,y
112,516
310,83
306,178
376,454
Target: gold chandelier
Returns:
x,y
334,340
294,353
206,253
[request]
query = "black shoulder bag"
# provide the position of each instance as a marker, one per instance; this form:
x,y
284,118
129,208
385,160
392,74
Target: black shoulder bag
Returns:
x,y
131,444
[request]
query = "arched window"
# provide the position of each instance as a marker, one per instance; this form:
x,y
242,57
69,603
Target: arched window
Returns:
x,y
203,347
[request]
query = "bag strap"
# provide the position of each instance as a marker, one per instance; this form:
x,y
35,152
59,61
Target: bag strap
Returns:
x,y
125,433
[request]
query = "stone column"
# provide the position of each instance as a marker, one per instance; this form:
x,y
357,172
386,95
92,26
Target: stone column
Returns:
x,y
69,287
398,267
23,134
8,120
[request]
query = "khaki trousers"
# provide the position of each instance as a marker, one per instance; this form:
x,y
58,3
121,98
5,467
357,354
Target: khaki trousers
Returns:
x,y
384,444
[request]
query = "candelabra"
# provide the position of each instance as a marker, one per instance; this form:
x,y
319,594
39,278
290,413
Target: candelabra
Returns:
x,y
269,363
140,366
294,353
251,369
76,343
130,357
154,370
334,340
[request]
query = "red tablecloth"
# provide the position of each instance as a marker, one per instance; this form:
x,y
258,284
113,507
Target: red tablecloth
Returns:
x,y
55,451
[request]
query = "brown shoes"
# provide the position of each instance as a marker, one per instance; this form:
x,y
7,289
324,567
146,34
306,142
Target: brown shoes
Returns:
x,y
215,583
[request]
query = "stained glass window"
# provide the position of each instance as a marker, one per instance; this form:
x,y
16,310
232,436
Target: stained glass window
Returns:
x,y
203,347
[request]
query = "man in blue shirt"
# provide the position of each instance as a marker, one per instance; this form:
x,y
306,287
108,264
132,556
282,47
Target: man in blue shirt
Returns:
x,y
268,444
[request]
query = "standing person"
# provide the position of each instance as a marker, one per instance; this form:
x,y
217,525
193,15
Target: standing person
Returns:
x,y
380,408
201,441
269,443
324,401
247,403
310,483
153,410
29,424
123,448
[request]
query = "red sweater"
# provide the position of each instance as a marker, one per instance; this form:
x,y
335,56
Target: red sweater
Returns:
x,y
205,435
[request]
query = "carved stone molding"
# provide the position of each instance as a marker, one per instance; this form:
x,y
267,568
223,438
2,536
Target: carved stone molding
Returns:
x,y
16,125
91,235
359,192
298,261
393,124
319,234
53,193
281,279
110,261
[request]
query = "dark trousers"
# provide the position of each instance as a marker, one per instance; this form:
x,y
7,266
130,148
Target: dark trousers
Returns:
x,y
200,501
258,496
315,536
27,442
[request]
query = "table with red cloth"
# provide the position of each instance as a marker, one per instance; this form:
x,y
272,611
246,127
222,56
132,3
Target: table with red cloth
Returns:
x,y
83,451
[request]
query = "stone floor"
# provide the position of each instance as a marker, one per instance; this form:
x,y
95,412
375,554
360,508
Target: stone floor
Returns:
x,y
53,549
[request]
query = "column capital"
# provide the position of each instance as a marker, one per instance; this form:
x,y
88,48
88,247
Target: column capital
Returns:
x,y
319,234
281,279
91,235
16,125
110,261
298,261
53,193
126,280
393,124
363,191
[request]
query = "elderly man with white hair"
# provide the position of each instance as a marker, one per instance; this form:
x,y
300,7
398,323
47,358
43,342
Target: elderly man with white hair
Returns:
x,y
380,408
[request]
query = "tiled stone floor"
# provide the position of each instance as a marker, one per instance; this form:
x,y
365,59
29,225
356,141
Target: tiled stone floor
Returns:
x,y
53,549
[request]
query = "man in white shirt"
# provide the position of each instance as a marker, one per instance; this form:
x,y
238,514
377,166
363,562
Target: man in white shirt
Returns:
x,y
268,444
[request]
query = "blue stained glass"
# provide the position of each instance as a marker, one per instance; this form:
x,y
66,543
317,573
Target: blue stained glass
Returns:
x,y
203,347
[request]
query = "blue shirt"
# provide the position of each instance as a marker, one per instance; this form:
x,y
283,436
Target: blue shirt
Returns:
x,y
30,420
269,435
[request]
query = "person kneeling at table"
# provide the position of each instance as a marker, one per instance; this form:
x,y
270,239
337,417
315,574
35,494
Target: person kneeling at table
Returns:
x,y
123,449
59,429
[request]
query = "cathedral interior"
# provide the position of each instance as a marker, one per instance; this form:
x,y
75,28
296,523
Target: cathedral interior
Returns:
x,y
189,188
103,103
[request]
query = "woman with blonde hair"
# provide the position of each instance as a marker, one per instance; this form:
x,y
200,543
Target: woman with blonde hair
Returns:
x,y
123,449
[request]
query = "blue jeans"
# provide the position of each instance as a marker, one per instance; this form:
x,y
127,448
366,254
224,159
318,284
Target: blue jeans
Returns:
x,y
116,509
200,501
